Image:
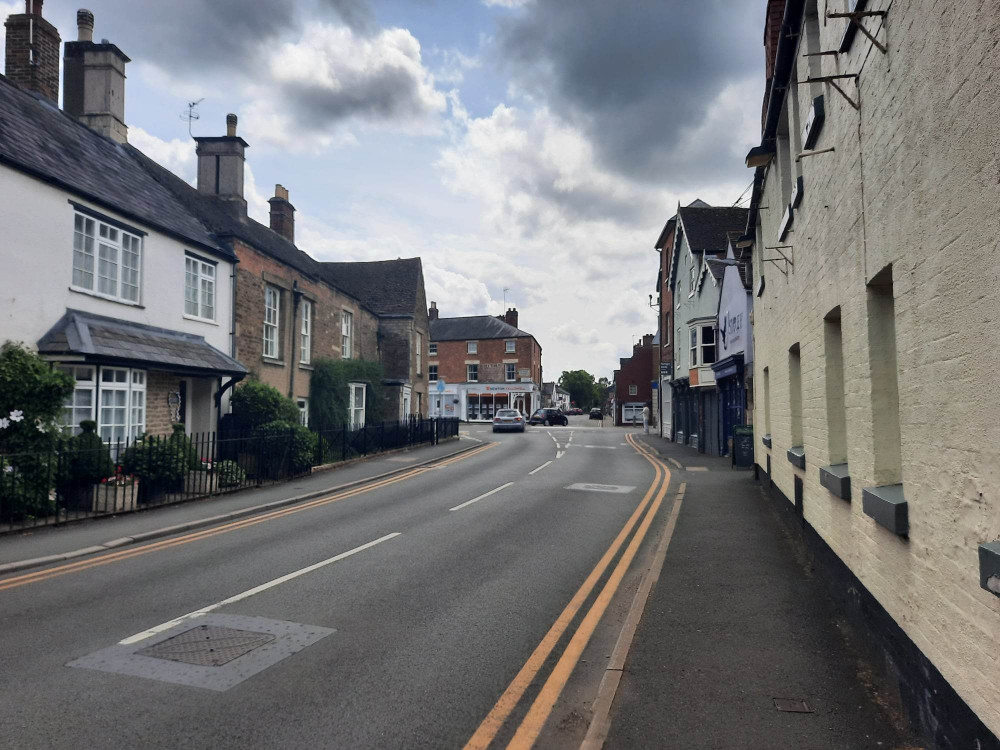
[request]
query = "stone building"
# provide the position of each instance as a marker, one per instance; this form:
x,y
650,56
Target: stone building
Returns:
x,y
394,291
114,281
480,363
874,216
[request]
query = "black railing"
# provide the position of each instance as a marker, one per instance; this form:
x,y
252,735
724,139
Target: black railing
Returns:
x,y
63,484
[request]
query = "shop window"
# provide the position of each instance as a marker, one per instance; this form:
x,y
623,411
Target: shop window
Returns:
x,y
511,372
472,373
357,404
80,404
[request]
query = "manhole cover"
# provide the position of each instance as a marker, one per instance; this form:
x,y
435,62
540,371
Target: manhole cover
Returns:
x,y
795,705
207,645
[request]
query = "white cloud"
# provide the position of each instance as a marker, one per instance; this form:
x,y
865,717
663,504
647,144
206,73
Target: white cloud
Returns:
x,y
506,3
177,155
6,9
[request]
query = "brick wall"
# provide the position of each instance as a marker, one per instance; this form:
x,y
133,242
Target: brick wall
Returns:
x,y
635,370
452,356
255,272
44,76
158,413
912,183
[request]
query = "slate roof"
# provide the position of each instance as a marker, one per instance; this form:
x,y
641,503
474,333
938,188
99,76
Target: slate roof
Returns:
x,y
707,228
473,327
37,138
388,287
98,338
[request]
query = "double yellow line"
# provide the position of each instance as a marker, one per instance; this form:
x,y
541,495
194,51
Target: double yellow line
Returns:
x,y
125,554
531,726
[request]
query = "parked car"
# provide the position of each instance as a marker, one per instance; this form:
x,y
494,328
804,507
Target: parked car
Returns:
x,y
548,417
576,410
508,419
596,413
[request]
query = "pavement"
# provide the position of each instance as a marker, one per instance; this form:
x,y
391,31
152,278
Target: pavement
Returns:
x,y
26,549
736,621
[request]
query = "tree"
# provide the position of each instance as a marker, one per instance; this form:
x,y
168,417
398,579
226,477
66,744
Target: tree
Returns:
x,y
580,385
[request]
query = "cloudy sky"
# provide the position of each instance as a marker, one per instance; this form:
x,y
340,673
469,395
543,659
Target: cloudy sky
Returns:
x,y
533,145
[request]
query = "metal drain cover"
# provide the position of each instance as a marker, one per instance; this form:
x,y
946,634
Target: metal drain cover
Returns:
x,y
794,705
208,645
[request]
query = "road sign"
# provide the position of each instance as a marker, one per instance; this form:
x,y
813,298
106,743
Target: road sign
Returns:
x,y
441,385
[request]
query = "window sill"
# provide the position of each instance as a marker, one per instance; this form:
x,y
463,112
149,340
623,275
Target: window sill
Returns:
x,y
200,320
797,456
272,361
837,479
98,295
766,440
989,567
887,506
305,366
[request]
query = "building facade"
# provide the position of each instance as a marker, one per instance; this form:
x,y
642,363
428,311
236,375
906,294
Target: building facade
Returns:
x,y
116,283
481,364
875,273
664,364
633,382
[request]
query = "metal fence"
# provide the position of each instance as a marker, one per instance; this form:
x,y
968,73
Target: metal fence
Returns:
x,y
64,484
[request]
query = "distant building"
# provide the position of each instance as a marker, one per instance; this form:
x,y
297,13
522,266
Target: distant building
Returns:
x,y
481,363
555,397
633,384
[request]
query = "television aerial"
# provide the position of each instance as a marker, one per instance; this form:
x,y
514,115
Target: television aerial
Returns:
x,y
191,115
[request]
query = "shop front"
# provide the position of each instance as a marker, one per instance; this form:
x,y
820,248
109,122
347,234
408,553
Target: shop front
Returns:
x,y
481,401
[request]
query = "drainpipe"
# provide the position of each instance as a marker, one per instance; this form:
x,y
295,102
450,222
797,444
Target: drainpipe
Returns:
x,y
296,299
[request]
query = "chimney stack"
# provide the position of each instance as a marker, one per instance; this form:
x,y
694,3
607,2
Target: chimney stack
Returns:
x,y
282,212
647,340
510,317
220,166
432,314
94,81
32,52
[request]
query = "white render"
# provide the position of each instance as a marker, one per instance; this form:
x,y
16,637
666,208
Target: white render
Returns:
x,y
913,183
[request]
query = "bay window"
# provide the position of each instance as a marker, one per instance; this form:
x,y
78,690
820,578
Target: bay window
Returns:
x,y
702,350
122,404
79,405
106,259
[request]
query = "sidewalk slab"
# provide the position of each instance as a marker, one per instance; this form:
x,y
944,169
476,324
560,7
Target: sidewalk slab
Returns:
x,y
48,544
737,627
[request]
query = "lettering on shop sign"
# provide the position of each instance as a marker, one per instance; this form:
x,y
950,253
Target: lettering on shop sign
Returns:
x,y
731,329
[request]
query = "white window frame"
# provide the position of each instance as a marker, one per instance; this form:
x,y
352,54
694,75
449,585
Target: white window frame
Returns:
x,y
303,404
305,334
272,319
419,348
472,347
696,349
356,404
510,372
85,381
510,346
633,390
432,349
131,383
432,373
346,334
199,286
469,373
693,346
693,276
95,243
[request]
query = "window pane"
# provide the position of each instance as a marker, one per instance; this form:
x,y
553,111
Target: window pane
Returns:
x,y
208,299
83,252
130,268
107,269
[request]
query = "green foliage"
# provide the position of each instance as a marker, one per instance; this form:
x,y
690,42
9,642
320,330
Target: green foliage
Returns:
x,y
286,444
229,474
89,457
329,395
581,387
161,463
257,403
31,399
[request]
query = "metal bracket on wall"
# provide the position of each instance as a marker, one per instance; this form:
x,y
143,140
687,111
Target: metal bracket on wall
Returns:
x,y
788,260
832,80
855,18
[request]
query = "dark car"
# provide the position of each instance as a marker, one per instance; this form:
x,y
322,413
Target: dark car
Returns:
x,y
596,413
548,417
508,419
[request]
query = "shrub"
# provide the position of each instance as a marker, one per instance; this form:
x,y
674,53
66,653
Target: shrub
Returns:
x,y
288,447
229,474
255,403
329,394
161,463
89,457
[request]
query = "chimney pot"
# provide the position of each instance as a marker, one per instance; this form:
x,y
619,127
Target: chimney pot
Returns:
x,y
84,25
231,121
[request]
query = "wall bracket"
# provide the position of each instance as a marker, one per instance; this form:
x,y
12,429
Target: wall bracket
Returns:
x,y
855,19
832,80
787,260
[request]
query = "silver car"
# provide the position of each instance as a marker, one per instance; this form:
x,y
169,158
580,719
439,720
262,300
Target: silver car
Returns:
x,y
508,419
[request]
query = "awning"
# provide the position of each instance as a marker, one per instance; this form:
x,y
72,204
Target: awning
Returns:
x,y
728,367
102,340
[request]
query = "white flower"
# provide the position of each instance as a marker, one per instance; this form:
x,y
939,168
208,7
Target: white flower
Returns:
x,y
4,423
17,415
8,469
39,424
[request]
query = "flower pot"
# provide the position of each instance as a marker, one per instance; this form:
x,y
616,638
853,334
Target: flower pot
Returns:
x,y
115,498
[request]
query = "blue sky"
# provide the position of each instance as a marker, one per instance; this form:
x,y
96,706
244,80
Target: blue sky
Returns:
x,y
537,145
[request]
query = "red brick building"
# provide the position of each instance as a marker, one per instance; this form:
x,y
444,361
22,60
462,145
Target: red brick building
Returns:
x,y
634,384
663,356
479,364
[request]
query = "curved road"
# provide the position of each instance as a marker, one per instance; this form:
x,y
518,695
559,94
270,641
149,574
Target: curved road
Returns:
x,y
446,591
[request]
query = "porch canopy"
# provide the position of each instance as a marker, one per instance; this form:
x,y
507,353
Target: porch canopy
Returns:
x,y
81,336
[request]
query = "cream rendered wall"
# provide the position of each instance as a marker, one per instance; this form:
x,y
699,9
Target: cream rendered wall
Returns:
x,y
36,248
912,182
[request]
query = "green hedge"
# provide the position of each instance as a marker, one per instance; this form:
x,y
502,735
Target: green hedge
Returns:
x,y
329,394
256,403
